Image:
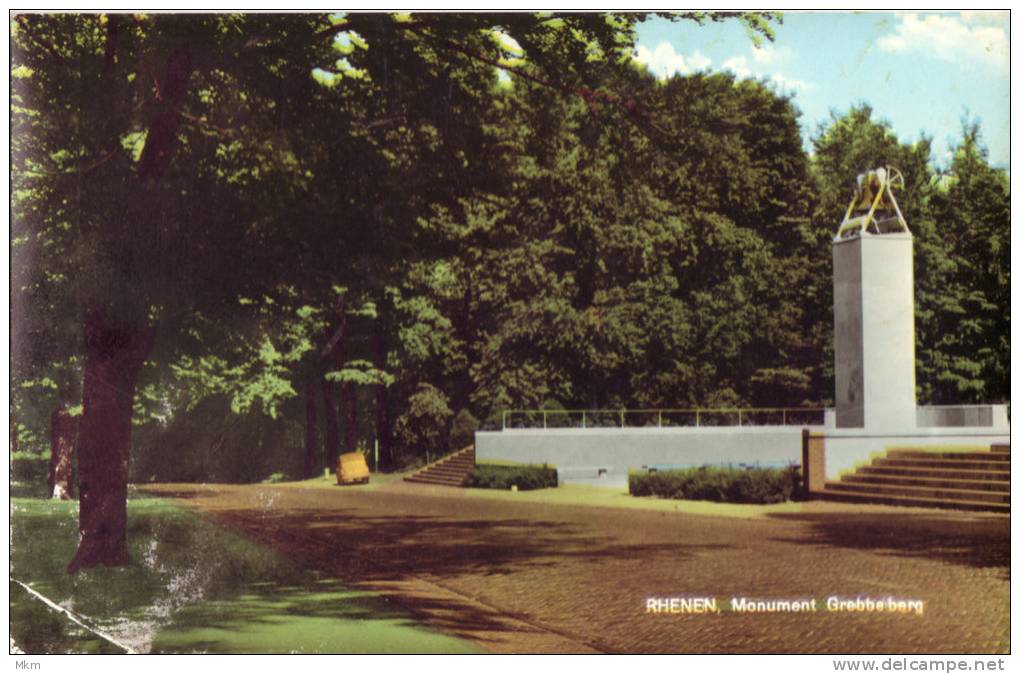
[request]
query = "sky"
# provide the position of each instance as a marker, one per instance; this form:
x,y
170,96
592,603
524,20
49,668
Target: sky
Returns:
x,y
923,72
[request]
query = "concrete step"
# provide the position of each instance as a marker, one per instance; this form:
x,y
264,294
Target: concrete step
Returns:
x,y
457,462
915,501
1000,448
943,493
460,458
447,477
442,472
939,463
965,456
1000,486
454,462
443,468
449,467
941,473
451,471
421,479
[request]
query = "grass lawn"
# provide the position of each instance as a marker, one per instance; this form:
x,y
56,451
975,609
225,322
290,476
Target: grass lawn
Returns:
x,y
375,481
192,587
608,497
575,494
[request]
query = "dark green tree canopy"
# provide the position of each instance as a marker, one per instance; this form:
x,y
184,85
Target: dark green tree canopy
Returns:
x,y
487,210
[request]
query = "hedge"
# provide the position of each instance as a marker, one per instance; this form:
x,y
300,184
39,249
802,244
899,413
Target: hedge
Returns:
x,y
720,484
503,477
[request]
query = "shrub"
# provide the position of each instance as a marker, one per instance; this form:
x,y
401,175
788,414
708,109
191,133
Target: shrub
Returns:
x,y
462,433
720,484
503,477
422,427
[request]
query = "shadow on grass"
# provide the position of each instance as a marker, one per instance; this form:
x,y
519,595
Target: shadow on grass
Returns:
x,y
380,549
323,617
37,628
193,587
353,541
977,542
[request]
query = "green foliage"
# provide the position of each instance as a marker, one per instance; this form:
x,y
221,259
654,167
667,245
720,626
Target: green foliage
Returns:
x,y
462,433
960,222
423,426
361,372
965,316
209,442
358,200
524,477
720,484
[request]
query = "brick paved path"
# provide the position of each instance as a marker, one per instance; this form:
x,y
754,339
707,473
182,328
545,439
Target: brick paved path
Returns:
x,y
524,577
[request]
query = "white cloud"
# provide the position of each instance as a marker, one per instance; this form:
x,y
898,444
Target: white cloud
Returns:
x,y
698,61
972,36
987,17
739,66
790,83
770,55
664,61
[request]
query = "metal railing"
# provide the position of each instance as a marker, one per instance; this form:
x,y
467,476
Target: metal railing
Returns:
x,y
694,417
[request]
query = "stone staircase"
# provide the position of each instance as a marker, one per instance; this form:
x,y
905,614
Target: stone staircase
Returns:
x,y
914,477
450,471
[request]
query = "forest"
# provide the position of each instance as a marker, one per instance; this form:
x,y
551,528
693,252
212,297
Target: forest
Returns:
x,y
241,244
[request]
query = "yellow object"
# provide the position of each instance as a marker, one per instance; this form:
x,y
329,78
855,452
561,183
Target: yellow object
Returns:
x,y
873,208
351,468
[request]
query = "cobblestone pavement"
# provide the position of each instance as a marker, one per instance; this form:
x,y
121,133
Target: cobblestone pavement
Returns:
x,y
526,577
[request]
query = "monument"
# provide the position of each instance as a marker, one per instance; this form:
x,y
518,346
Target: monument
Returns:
x,y
873,295
876,405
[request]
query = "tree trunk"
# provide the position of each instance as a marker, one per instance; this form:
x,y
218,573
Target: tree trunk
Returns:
x,y
336,350
332,427
63,430
349,408
311,430
382,429
161,138
114,354
465,325
14,428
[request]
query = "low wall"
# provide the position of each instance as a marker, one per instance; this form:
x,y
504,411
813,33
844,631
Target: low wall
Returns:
x,y
604,455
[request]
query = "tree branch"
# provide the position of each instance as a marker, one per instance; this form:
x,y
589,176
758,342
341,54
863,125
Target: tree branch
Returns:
x,y
39,42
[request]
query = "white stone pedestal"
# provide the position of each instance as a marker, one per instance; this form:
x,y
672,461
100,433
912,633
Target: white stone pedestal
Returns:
x,y
873,286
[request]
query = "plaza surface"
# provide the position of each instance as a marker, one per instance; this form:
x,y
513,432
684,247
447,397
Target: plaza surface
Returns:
x,y
571,570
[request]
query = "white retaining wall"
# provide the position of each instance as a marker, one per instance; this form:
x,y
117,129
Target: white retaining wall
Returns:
x,y
604,455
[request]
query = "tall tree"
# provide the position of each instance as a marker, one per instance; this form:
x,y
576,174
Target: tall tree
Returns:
x,y
136,178
172,162
961,270
966,357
